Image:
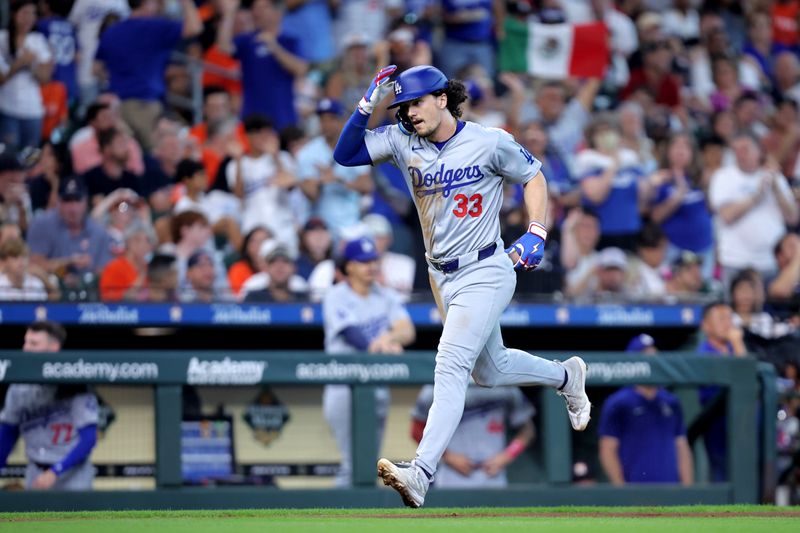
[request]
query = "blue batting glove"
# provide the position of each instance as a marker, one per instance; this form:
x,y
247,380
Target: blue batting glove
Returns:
x,y
378,89
530,247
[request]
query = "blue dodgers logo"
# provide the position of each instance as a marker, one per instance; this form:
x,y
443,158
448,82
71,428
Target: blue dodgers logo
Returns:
x,y
443,180
526,154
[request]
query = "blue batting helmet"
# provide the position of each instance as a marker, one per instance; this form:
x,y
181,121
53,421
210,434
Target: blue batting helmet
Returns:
x,y
416,82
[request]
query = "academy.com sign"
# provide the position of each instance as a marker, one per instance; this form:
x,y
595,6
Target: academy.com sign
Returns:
x,y
606,372
224,372
101,371
335,371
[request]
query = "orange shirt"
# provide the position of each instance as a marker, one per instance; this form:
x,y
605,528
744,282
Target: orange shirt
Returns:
x,y
238,274
118,276
211,161
200,132
54,98
214,56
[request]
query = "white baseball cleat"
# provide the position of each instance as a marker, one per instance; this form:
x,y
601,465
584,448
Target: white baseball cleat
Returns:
x,y
574,393
407,479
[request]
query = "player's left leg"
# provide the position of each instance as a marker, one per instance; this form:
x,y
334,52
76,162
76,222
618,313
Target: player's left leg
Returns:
x,y
500,366
473,298
497,366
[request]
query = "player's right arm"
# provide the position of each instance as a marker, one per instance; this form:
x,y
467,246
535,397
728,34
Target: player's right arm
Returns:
x,y
609,458
351,149
610,430
225,32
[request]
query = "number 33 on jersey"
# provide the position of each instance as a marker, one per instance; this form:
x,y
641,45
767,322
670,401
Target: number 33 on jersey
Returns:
x,y
457,186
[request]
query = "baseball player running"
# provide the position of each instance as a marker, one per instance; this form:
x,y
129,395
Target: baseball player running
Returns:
x,y
57,423
455,171
360,315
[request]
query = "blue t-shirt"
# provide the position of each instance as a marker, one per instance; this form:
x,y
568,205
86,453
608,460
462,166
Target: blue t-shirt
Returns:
x,y
689,226
646,430
135,52
472,32
765,62
268,87
557,173
619,212
311,25
64,42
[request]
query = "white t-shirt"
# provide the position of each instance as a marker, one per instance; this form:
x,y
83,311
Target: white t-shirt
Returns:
x,y
397,272
367,18
702,77
32,289
748,241
20,96
87,16
214,205
683,25
648,281
265,204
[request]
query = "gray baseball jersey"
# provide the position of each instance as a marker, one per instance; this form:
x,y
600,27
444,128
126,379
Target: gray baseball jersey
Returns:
x,y
372,315
48,425
481,433
458,190
457,187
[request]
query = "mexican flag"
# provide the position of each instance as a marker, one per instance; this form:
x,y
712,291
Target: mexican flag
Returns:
x,y
555,51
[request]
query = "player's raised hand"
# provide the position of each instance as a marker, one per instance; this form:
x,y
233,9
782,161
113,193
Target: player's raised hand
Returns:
x,y
528,250
378,89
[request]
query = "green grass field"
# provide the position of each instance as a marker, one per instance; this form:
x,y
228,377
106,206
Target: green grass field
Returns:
x,y
728,519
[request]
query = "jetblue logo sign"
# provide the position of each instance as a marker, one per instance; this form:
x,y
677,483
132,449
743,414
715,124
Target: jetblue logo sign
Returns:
x,y
444,180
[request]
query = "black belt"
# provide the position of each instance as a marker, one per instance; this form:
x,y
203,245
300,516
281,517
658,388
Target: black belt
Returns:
x,y
46,466
452,265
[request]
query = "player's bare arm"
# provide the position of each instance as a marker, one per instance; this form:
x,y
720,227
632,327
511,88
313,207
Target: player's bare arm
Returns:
x,y
535,197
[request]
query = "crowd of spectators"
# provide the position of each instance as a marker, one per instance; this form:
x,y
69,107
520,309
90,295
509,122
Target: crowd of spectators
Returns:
x,y
673,177
669,176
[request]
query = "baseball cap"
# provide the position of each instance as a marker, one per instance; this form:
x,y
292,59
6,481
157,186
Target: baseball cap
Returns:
x,y
612,258
314,223
402,35
687,258
474,91
649,20
377,225
355,38
640,343
272,249
197,257
329,105
361,250
71,189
